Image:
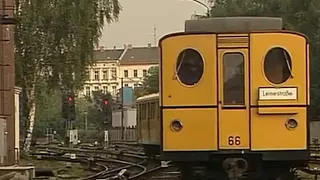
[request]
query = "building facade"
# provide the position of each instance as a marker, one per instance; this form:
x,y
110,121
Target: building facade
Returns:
x,y
129,64
7,79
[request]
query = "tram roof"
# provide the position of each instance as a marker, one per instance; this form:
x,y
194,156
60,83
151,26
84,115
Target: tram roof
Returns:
x,y
233,24
148,97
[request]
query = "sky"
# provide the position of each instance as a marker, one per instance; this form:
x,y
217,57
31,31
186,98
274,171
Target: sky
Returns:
x,y
139,17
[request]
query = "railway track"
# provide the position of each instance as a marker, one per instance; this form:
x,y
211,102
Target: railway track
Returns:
x,y
60,157
123,158
136,165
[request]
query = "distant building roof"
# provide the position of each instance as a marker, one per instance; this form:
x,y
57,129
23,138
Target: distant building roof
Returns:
x,y
141,54
129,54
107,54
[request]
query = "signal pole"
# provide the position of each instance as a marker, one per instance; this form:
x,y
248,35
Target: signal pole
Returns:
x,y
68,114
86,121
122,109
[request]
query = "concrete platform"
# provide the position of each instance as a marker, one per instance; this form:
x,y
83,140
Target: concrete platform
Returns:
x,y
17,172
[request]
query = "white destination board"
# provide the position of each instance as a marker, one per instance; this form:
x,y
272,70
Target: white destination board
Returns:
x,y
278,93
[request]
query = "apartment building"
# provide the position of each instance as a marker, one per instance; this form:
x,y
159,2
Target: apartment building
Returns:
x,y
135,63
129,64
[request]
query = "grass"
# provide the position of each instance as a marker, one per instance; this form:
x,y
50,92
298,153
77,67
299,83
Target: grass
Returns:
x,y
65,169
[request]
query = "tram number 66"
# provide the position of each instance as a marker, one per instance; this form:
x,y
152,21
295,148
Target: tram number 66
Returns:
x,y
234,140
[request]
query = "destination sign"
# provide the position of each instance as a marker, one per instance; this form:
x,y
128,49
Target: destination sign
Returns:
x,y
278,93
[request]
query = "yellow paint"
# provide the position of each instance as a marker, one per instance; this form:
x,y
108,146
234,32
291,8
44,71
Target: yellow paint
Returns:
x,y
201,125
172,87
268,132
233,123
308,77
278,110
296,47
233,42
199,130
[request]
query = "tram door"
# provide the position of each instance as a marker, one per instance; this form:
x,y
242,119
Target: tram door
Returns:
x,y
233,101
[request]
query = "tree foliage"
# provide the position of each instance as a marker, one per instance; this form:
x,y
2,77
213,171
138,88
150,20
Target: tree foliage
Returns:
x,y
151,81
55,39
302,16
54,44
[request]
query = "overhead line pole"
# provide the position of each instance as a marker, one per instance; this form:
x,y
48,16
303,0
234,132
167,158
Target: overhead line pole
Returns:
x,y
122,109
204,5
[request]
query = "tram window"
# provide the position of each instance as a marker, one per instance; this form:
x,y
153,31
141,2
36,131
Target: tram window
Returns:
x,y
138,112
277,65
151,110
189,67
143,112
233,78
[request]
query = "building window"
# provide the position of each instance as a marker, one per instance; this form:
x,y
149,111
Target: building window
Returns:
x,y
145,73
126,85
135,73
96,88
87,91
114,88
113,73
96,75
105,74
105,89
125,72
87,76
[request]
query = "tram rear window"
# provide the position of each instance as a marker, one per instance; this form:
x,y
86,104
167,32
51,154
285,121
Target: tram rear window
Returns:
x,y
233,78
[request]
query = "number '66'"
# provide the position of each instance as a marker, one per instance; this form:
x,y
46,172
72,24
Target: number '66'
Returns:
x,y
234,140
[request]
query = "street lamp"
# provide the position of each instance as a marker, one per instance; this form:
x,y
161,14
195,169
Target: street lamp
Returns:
x,y
204,5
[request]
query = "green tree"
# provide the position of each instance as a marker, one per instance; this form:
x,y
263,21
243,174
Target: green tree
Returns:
x,y
48,113
297,15
54,44
151,81
101,114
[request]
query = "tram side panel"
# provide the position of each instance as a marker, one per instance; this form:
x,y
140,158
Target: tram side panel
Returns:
x,y
279,91
187,98
154,122
143,123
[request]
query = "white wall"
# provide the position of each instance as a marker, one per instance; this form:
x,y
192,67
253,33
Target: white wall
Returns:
x,y
129,118
17,120
3,140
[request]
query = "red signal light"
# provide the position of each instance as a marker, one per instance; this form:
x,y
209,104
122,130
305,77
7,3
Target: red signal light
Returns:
x,y
70,99
105,102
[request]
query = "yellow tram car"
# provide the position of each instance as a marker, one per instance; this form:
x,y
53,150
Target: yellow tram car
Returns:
x,y
233,100
148,123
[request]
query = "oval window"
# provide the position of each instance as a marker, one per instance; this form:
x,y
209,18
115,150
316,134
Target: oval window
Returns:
x,y
189,67
277,65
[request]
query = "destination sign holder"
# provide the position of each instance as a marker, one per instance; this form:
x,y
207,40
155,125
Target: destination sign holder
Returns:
x,y
275,93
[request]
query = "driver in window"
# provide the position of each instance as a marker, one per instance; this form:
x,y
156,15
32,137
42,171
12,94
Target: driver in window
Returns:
x,y
191,68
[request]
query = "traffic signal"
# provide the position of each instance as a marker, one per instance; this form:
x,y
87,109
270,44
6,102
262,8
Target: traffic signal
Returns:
x,y
68,107
105,102
106,109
